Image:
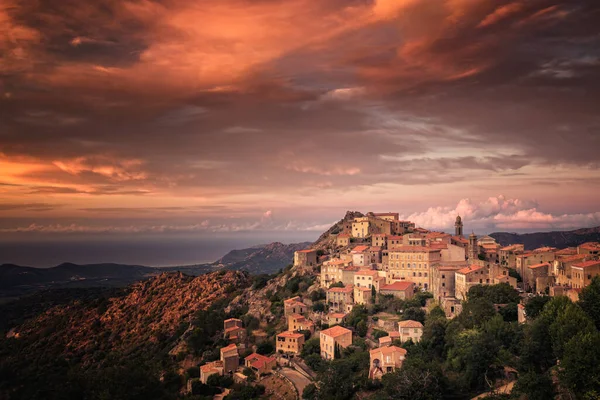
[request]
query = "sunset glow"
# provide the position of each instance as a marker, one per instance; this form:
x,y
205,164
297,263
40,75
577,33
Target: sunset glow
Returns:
x,y
226,116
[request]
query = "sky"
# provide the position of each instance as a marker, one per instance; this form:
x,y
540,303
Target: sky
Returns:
x,y
167,117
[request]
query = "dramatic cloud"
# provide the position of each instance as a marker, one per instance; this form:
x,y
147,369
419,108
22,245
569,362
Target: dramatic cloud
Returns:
x,y
303,108
501,213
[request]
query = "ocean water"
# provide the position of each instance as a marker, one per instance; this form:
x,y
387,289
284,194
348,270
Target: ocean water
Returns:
x,y
148,250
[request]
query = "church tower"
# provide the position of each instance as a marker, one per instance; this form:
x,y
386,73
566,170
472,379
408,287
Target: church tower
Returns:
x,y
473,248
458,227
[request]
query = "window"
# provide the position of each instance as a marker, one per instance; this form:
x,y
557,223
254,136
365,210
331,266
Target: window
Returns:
x,y
443,276
443,284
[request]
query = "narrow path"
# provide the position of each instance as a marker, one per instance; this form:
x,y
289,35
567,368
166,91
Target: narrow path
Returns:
x,y
506,389
299,380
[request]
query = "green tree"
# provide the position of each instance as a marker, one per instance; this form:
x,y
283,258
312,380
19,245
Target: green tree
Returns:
x,y
415,314
580,364
311,346
336,284
569,322
436,312
362,328
589,300
534,385
422,382
501,293
265,348
535,305
310,392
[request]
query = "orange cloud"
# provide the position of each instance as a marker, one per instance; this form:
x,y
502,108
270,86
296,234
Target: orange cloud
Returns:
x,y
501,13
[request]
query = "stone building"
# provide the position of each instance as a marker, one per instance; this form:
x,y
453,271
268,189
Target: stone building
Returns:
x,y
230,358
412,263
289,342
305,258
334,338
384,360
410,329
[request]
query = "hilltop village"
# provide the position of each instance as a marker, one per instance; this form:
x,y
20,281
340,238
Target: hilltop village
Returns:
x,y
364,266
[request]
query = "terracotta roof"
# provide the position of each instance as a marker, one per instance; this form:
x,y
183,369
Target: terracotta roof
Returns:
x,y
292,299
345,289
359,249
575,257
336,331
233,328
351,268
363,289
387,350
258,361
385,339
229,348
385,214
511,247
394,334
367,272
460,239
544,249
297,317
211,366
536,266
586,264
470,268
391,237
375,248
343,235
290,334
338,315
409,323
233,319
590,246
567,251
399,286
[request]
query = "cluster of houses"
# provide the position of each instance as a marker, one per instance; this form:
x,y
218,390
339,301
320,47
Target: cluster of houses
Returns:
x,y
381,254
229,360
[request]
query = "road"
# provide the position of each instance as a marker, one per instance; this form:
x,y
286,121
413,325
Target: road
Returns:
x,y
501,390
299,380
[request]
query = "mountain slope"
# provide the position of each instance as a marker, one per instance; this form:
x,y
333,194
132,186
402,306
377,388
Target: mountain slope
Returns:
x,y
559,239
265,259
327,238
13,275
108,346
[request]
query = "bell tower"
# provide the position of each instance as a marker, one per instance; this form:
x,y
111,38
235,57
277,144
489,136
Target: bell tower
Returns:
x,y
473,248
458,227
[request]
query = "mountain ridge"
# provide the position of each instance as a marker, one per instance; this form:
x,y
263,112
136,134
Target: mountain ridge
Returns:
x,y
559,239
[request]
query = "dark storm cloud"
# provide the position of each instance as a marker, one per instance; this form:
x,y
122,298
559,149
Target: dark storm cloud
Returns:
x,y
139,97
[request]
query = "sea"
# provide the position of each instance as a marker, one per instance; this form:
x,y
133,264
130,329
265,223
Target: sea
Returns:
x,y
143,249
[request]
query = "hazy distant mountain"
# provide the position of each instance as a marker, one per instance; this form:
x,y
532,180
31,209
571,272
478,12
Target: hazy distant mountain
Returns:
x,y
264,259
559,239
16,280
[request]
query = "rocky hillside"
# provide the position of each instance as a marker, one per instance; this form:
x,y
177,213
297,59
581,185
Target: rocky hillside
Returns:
x,y
559,239
327,239
264,259
84,343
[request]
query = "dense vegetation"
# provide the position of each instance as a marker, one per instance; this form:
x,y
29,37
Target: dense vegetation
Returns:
x,y
479,350
70,351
